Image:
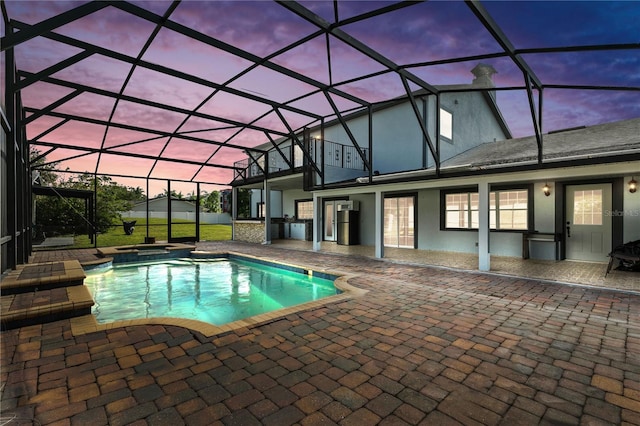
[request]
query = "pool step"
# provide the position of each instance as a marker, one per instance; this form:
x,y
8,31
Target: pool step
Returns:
x,y
41,293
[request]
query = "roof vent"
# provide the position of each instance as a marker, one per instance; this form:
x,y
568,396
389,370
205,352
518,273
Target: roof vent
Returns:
x,y
483,73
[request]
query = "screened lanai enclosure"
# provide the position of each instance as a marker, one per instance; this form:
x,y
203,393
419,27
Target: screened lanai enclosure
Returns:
x,y
153,99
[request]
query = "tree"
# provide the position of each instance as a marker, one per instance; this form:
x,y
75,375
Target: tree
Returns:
x,y
45,171
174,195
244,203
211,202
70,215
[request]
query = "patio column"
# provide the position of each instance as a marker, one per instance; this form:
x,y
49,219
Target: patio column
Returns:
x,y
234,211
267,212
379,220
484,256
317,222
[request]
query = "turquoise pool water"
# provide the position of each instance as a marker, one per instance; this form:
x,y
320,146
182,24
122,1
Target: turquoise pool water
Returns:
x,y
214,291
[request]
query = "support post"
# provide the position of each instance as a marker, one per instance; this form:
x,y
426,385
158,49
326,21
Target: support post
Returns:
x,y
147,212
317,222
234,211
198,211
484,256
169,210
94,207
267,212
379,234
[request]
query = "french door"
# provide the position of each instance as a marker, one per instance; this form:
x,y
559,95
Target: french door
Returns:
x,y
330,215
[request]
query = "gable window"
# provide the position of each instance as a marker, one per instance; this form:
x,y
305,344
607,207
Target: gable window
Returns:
x,y
508,209
399,214
304,209
446,125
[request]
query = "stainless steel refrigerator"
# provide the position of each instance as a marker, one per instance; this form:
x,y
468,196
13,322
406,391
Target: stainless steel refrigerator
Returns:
x,y
348,227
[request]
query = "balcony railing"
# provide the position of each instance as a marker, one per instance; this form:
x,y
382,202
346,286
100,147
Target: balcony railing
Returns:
x,y
335,155
343,156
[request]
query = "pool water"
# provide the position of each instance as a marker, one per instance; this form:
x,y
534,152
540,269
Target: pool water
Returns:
x,y
213,291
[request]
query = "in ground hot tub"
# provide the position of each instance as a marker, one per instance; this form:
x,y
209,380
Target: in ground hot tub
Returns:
x,y
146,252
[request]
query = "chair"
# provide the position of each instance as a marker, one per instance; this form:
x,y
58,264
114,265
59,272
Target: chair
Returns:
x,y
628,256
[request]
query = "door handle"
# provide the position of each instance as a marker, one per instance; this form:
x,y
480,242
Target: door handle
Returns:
x,y
568,230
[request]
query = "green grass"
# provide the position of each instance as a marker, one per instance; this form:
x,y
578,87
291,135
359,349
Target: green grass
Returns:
x,y
158,229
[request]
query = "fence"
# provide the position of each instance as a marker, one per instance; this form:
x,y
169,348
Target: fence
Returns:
x,y
208,218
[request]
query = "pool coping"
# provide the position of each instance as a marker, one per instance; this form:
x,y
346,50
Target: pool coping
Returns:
x,y
88,323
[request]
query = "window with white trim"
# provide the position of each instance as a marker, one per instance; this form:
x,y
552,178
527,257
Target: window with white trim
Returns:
x,y
446,125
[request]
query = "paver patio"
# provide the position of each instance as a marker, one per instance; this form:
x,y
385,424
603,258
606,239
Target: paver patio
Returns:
x,y
429,346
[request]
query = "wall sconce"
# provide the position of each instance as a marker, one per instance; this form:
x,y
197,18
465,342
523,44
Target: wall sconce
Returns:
x,y
633,185
546,189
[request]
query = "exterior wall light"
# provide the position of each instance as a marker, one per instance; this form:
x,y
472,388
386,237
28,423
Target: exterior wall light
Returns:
x,y
633,185
546,189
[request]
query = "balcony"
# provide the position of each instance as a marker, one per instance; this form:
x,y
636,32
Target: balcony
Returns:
x,y
331,158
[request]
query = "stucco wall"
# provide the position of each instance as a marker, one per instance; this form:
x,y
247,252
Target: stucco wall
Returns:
x,y
257,196
367,218
397,142
289,198
631,212
473,123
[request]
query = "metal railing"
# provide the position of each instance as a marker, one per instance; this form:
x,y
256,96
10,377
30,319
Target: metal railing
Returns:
x,y
343,156
335,155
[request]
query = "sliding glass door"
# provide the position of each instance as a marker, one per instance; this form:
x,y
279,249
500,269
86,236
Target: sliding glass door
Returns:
x,y
399,226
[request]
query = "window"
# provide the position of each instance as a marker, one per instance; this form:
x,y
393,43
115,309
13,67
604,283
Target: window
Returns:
x,y
304,209
260,208
508,209
399,215
446,125
461,210
587,207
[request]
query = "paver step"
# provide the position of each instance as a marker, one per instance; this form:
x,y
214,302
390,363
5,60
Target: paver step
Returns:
x,y
42,276
43,292
39,307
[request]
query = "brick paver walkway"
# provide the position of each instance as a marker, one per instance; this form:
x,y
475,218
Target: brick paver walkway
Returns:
x,y
424,346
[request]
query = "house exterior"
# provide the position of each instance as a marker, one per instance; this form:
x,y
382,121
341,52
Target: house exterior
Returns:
x,y
160,204
564,195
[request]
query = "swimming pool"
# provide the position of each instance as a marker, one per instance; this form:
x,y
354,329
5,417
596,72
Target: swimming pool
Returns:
x,y
216,291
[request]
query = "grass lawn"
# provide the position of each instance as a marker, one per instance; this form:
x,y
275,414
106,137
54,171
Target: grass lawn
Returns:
x,y
158,229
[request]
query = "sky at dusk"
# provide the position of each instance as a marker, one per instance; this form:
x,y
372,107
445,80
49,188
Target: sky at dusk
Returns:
x,y
419,37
